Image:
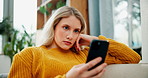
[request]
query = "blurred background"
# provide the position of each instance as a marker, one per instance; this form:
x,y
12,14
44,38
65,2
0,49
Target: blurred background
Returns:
x,y
21,22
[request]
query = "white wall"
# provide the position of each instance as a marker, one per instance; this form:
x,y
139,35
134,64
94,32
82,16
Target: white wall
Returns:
x,y
4,64
144,24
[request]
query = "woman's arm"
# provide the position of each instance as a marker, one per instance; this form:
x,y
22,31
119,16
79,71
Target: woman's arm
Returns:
x,y
118,53
19,68
84,40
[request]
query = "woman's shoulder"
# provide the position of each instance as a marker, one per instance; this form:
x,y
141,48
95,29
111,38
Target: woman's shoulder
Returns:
x,y
28,54
29,51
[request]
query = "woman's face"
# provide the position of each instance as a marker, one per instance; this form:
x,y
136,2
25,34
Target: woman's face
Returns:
x,y
67,32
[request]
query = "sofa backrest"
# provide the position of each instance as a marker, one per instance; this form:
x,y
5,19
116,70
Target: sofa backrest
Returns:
x,y
126,71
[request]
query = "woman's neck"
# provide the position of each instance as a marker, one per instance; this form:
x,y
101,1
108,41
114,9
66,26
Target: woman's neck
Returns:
x,y
53,45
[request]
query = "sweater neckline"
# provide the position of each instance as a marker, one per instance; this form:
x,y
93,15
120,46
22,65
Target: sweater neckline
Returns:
x,y
55,49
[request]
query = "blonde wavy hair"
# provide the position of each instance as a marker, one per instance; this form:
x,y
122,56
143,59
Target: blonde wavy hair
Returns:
x,y
48,30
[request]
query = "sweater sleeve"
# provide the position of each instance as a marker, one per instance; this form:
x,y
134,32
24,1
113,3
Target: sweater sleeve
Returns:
x,y
21,65
119,53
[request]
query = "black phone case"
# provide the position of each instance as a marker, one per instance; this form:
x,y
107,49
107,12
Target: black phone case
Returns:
x,y
98,48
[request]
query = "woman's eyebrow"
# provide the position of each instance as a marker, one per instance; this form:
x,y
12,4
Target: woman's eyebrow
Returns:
x,y
78,29
70,26
66,25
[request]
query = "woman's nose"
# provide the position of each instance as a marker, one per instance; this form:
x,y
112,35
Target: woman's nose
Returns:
x,y
70,36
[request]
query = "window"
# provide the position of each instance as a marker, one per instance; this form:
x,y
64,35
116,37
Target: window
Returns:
x,y
121,21
127,22
1,10
1,18
25,14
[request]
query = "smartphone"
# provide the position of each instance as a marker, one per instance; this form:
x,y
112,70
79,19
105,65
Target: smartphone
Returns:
x,y
98,48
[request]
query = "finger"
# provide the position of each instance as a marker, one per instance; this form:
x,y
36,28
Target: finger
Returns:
x,y
94,62
91,64
98,69
99,74
102,66
77,44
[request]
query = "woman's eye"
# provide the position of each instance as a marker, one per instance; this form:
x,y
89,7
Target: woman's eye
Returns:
x,y
65,27
76,31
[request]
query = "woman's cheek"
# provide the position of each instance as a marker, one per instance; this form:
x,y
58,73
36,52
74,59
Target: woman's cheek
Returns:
x,y
76,37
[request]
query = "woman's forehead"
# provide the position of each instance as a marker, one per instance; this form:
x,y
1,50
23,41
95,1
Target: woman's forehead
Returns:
x,y
71,21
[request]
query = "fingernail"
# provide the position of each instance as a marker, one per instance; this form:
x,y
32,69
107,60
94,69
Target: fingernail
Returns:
x,y
99,58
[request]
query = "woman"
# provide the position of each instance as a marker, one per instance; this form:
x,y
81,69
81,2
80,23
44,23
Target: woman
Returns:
x,y
60,54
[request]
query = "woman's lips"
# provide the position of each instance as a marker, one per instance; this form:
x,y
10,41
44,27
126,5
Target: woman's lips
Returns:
x,y
67,42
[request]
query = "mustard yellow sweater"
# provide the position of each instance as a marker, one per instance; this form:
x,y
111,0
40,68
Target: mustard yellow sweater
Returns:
x,y
40,62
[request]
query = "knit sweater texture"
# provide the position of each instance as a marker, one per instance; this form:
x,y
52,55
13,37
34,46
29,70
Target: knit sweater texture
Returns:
x,y
41,62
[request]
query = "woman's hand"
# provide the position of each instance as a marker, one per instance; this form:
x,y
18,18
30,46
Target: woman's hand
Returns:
x,y
84,39
81,71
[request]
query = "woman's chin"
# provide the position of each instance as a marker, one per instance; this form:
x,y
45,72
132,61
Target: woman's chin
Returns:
x,y
65,48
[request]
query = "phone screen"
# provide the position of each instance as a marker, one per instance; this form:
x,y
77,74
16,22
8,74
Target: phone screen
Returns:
x,y
98,48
